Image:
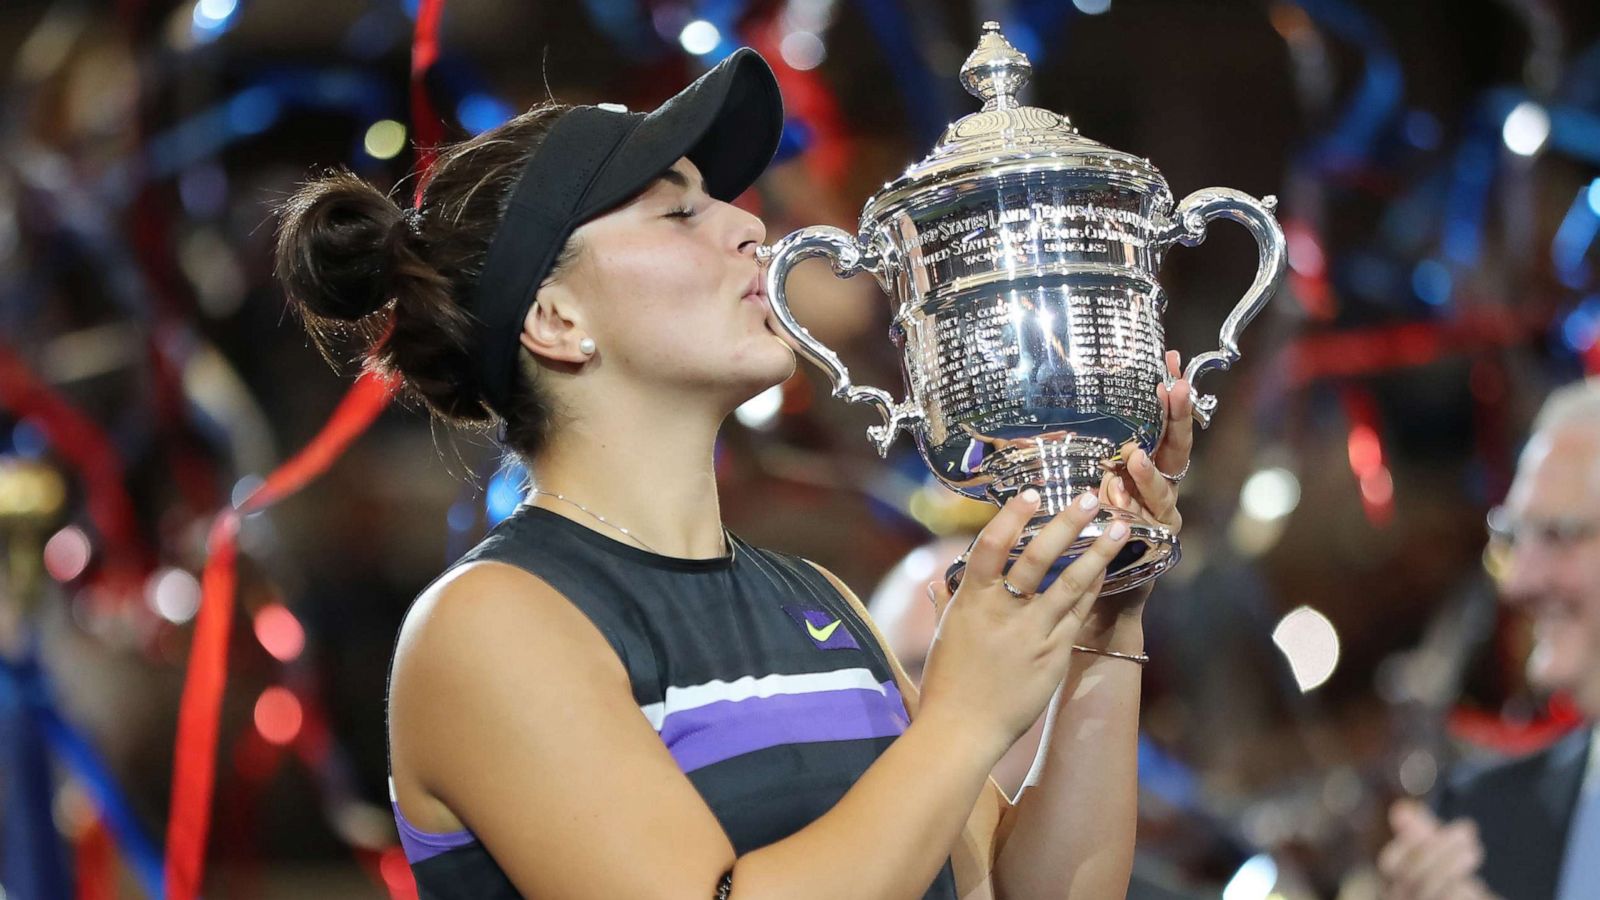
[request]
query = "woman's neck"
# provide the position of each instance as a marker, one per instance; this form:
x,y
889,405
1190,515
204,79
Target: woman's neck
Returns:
x,y
651,476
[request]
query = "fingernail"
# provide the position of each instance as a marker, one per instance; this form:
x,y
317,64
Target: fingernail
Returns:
x,y
1030,496
1118,531
1144,460
1087,500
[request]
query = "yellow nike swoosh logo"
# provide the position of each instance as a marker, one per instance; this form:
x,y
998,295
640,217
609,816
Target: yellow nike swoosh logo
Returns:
x,y
822,634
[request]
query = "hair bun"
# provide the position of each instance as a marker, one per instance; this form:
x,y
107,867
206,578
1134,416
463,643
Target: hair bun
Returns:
x,y
335,247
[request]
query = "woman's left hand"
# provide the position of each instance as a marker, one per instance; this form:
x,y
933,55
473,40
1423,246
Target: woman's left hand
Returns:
x,y
1138,486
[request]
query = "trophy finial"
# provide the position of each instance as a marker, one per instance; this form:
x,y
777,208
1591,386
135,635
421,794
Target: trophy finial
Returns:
x,y
995,71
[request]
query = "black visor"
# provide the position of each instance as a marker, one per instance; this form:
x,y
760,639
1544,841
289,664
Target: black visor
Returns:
x,y
596,158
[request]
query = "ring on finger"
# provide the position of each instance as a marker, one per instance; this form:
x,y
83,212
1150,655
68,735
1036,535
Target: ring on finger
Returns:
x,y
1015,591
1173,478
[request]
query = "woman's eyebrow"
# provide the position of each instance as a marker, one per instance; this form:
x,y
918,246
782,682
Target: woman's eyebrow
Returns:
x,y
675,177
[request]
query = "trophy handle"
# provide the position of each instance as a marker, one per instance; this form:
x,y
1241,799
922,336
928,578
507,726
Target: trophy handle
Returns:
x,y
848,258
1189,229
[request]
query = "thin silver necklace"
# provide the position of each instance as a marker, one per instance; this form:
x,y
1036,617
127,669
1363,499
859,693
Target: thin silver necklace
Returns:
x,y
727,545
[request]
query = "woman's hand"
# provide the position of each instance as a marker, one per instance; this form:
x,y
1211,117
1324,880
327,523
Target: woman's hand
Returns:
x,y
996,657
1137,485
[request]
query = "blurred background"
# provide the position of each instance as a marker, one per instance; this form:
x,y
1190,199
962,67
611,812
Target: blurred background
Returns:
x,y
1330,641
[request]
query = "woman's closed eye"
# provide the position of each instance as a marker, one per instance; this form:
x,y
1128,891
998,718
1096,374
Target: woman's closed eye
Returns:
x,y
682,212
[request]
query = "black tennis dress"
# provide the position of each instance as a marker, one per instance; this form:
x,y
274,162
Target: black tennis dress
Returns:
x,y
763,682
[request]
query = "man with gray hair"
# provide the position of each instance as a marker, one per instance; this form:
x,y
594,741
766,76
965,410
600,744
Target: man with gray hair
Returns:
x,y
1529,829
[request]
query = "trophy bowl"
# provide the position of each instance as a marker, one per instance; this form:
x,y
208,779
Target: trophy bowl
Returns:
x,y
1021,259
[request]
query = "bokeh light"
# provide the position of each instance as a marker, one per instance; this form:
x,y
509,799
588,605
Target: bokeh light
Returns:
x,y
278,715
761,411
1526,129
173,594
1270,494
1311,645
385,139
279,632
1254,880
802,50
67,553
699,37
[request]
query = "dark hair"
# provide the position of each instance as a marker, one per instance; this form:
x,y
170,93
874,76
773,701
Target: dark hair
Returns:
x,y
347,251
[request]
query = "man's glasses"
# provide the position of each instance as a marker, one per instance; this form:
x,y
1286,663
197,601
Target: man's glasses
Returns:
x,y
1553,534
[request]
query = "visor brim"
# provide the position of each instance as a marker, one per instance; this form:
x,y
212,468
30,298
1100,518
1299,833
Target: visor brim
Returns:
x,y
728,123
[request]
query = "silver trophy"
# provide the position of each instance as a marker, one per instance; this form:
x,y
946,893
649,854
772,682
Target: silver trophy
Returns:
x,y
1022,259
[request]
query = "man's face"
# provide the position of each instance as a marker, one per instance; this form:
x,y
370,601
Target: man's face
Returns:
x,y
1553,564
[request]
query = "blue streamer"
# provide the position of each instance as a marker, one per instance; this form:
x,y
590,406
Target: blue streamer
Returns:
x,y
1373,107
28,681
627,24
1575,132
34,863
1581,82
794,142
78,755
1576,235
1166,777
1467,197
919,88
257,108
1580,327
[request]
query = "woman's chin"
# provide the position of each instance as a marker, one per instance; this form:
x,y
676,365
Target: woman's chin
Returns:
x,y
790,359
773,362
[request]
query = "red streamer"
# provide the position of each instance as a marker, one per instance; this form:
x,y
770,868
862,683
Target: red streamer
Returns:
x,y
95,854
808,97
1356,352
87,449
199,713
194,761
1486,729
1367,463
425,122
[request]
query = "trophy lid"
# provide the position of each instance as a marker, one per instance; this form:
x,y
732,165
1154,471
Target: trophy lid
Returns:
x,y
1006,132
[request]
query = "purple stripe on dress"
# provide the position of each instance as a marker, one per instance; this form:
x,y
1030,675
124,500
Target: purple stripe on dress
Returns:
x,y
420,845
719,731
973,458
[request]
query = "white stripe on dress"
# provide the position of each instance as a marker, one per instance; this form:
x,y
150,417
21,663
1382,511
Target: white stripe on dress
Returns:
x,y
679,699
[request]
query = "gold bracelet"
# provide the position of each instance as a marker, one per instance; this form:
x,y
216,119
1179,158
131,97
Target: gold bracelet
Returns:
x,y
1140,658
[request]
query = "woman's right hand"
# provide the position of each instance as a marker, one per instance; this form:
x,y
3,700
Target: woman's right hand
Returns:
x,y
997,658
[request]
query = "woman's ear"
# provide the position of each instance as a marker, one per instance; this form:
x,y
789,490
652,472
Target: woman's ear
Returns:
x,y
553,328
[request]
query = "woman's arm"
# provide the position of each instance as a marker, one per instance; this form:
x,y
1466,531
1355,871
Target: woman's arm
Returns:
x,y
1078,829
972,856
510,709
1071,831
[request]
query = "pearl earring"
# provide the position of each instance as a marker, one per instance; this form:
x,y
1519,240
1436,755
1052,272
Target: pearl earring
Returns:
x,y
586,346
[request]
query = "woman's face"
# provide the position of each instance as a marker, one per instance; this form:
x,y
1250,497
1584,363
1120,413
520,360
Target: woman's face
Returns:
x,y
669,289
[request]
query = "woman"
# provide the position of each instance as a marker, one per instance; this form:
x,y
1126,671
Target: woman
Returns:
x,y
612,696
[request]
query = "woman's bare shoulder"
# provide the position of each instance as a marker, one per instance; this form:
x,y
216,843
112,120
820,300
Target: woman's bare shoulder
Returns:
x,y
512,715
485,608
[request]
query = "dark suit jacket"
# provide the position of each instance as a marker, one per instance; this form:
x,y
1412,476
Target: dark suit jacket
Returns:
x,y
1522,808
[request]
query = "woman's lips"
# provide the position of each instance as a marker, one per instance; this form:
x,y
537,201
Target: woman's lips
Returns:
x,y
757,290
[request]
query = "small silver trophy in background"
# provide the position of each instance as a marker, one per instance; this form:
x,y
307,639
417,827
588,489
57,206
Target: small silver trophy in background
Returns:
x,y
1022,260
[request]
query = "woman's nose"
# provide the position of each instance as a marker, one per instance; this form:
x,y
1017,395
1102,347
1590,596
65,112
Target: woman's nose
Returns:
x,y
752,232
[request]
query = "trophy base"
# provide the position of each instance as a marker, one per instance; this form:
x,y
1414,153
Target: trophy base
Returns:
x,y
1151,549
